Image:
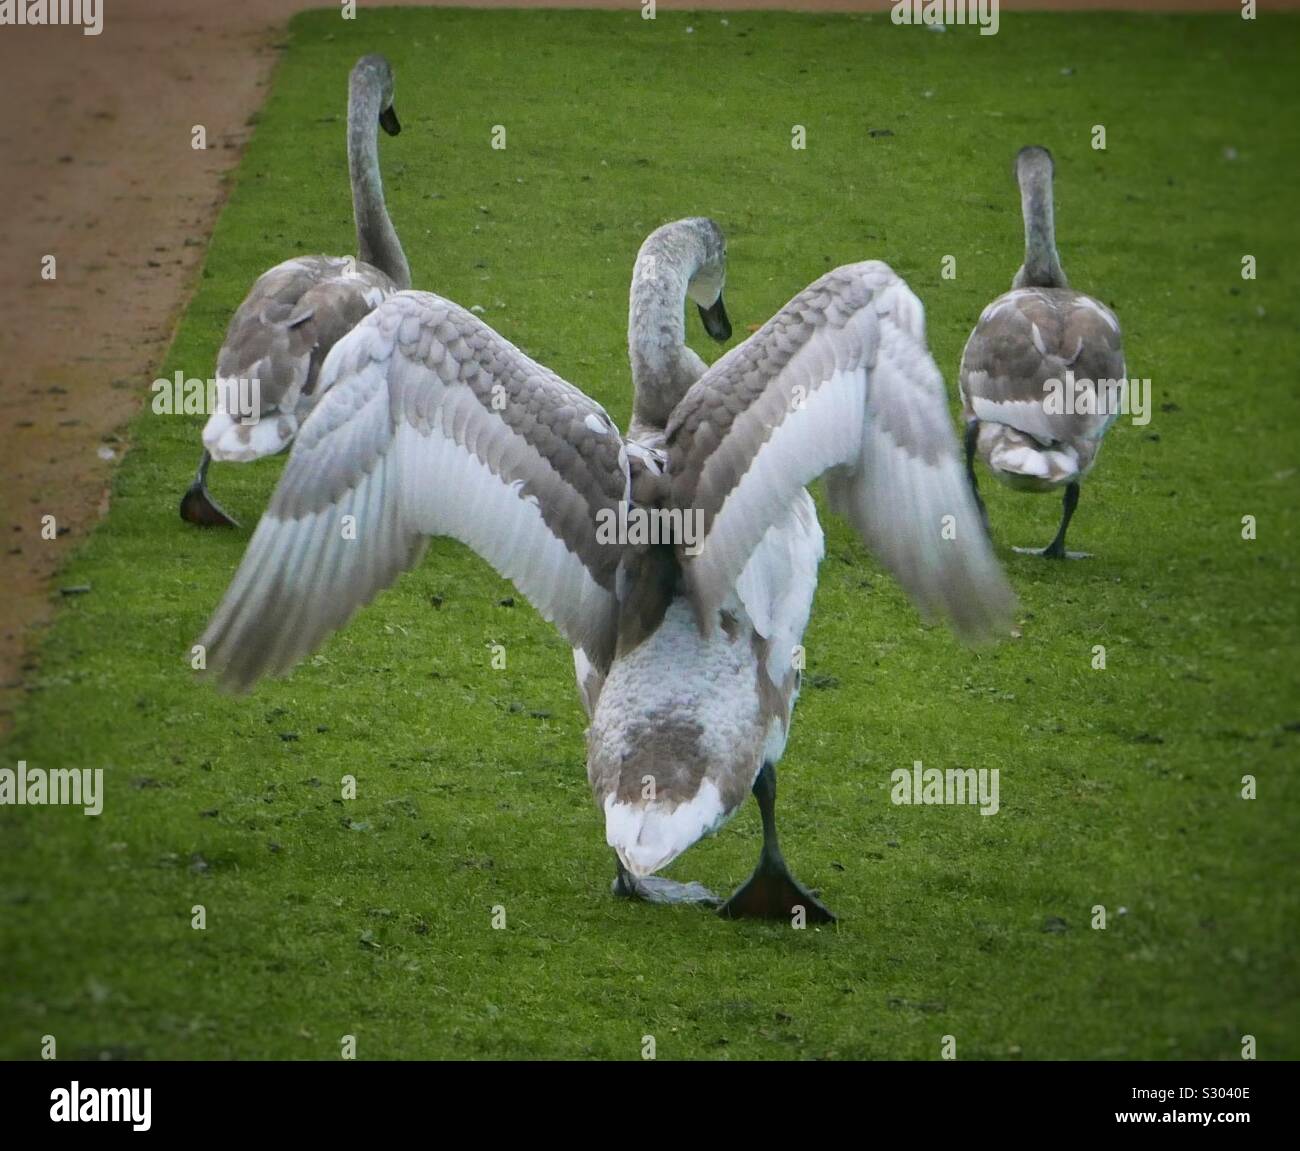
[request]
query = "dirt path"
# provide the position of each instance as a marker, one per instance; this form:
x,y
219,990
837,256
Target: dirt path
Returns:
x,y
100,174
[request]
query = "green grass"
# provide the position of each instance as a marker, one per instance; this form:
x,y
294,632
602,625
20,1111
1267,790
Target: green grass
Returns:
x,y
1119,787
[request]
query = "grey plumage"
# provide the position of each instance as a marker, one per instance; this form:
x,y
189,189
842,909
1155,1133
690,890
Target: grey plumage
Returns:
x,y
431,424
280,336
1029,347
686,258
295,312
842,377
1032,336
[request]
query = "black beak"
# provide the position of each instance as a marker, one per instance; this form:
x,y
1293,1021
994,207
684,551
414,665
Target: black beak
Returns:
x,y
388,121
715,320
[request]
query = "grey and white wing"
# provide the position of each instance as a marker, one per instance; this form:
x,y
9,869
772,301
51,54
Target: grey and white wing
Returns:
x,y
279,337
430,424
839,383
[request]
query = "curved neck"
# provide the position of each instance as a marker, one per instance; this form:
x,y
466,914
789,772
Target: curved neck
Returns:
x,y
663,367
377,241
1042,266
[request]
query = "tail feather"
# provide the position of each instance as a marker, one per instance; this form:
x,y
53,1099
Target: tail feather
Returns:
x,y
1015,454
649,835
228,437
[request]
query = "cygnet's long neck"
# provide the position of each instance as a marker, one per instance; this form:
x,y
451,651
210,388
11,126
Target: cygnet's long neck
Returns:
x,y
663,367
377,241
1042,266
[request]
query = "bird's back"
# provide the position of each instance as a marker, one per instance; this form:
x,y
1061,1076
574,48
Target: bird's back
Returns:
x,y
1028,347
279,336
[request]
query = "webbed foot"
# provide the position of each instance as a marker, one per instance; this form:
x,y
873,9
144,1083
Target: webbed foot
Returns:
x,y
657,889
773,893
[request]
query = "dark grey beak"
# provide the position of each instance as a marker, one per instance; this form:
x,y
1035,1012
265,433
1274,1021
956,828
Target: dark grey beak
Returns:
x,y
715,320
388,121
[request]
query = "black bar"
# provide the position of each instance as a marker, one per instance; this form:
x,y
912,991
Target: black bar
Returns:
x,y
343,1099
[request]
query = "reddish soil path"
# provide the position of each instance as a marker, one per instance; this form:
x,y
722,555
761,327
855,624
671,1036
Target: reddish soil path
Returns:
x,y
100,174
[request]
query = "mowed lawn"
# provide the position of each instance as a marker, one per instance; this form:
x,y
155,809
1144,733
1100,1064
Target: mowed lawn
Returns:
x,y
1121,787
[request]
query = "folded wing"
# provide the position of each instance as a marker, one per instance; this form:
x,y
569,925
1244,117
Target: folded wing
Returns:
x,y
1031,346
840,382
429,424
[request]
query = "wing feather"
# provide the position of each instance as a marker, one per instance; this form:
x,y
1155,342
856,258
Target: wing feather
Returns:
x,y
430,424
839,383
